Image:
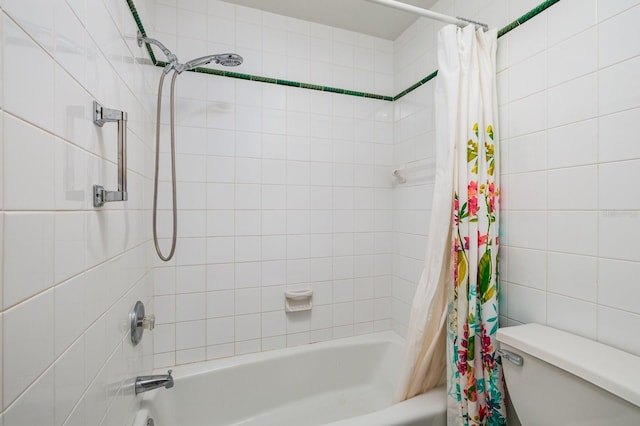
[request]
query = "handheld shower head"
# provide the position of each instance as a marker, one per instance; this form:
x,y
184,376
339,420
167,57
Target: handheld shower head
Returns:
x,y
226,59
198,62
229,59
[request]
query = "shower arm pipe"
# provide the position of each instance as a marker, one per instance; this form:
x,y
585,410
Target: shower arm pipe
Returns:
x,y
172,60
459,21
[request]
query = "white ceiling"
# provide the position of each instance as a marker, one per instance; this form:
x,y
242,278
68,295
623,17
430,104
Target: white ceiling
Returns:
x,y
354,15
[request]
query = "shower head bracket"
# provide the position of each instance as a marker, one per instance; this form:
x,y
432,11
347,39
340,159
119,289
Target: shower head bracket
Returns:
x,y
171,57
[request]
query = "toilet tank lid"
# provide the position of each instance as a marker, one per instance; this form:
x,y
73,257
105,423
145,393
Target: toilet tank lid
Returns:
x,y
611,369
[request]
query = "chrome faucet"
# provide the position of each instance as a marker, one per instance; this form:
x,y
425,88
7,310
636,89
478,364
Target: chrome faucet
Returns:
x,y
147,383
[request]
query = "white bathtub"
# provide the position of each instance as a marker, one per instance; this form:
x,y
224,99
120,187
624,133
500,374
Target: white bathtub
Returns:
x,y
345,382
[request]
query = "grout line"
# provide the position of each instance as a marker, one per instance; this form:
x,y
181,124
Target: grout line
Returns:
x,y
598,165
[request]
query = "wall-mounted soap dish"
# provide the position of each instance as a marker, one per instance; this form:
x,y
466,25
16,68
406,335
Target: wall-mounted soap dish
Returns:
x,y
298,300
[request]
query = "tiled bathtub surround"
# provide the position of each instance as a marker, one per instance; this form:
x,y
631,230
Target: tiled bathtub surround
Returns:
x,y
278,187
568,104
281,187
70,273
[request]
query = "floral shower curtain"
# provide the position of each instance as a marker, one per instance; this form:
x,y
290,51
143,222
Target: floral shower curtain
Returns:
x,y
454,315
474,370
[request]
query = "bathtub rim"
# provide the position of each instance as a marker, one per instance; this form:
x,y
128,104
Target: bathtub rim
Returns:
x,y
195,368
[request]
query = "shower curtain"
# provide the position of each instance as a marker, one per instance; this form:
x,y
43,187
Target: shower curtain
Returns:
x,y
456,299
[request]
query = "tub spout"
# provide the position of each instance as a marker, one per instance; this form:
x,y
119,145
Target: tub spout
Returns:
x,y
147,383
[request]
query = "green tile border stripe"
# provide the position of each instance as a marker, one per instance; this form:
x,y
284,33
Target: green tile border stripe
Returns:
x,y
285,82
289,83
524,18
311,86
504,30
136,17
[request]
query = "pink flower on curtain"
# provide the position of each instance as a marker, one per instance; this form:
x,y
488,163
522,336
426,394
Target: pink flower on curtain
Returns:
x,y
492,197
473,206
456,212
487,349
472,190
482,412
463,350
492,189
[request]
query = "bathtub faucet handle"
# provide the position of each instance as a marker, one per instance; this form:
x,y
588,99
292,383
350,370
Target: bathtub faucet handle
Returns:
x,y
138,321
148,322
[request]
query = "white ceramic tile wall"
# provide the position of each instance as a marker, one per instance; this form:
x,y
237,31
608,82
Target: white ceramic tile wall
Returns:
x,y
276,46
414,146
568,103
585,168
70,273
279,187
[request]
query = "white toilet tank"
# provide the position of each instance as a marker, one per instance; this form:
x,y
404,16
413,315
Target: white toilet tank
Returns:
x,y
567,380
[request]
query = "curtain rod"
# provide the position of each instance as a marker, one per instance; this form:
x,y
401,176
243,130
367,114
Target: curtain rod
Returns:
x,y
458,20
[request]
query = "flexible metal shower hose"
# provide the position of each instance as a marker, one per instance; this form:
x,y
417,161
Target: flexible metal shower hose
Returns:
x,y
173,168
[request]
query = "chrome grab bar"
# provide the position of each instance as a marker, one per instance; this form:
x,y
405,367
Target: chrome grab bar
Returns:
x,y
103,115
